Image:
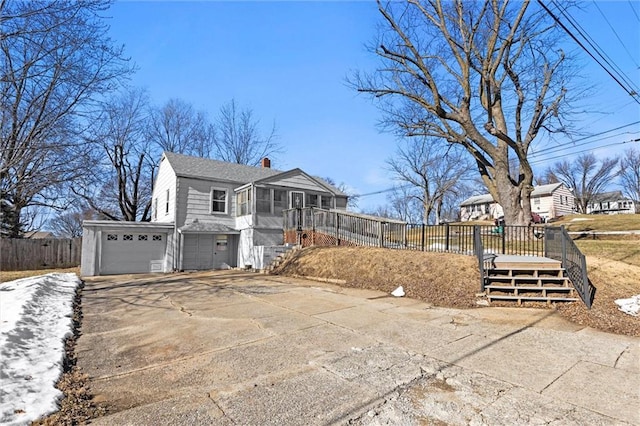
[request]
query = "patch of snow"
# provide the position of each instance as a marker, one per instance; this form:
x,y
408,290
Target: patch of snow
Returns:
x,y
629,306
580,219
398,292
36,315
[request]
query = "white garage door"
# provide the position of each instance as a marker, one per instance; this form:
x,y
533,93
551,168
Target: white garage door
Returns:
x,y
130,252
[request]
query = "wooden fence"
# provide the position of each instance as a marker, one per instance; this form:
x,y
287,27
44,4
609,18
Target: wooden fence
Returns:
x,y
27,254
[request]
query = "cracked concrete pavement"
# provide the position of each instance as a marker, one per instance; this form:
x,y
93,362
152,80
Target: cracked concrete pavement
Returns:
x,y
232,347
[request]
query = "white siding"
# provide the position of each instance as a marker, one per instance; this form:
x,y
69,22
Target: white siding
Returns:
x,y
299,183
166,180
194,202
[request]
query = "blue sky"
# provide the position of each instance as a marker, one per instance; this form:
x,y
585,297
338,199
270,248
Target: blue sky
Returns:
x,y
288,61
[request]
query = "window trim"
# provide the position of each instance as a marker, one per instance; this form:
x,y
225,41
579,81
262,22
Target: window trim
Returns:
x,y
247,202
166,206
226,200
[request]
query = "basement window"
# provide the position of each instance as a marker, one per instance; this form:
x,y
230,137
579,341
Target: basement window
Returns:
x,y
112,237
127,237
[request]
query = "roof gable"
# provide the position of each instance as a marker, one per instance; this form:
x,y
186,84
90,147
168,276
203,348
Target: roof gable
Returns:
x,y
298,172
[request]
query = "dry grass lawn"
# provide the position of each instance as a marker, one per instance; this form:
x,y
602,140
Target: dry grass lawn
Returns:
x,y
16,275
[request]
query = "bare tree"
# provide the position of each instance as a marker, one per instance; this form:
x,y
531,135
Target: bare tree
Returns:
x,y
353,200
432,171
69,223
237,137
178,127
486,75
586,176
120,183
630,173
56,57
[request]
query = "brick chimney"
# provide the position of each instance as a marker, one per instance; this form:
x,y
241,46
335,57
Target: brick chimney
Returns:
x,y
266,163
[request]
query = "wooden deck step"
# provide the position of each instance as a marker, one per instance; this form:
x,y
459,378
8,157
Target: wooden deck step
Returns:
x,y
528,279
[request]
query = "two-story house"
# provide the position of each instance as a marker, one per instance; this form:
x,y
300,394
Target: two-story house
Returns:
x,y
548,201
206,214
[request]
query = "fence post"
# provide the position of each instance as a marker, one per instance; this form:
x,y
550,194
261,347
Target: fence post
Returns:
x,y
446,239
404,227
423,236
564,247
380,234
503,237
585,282
337,228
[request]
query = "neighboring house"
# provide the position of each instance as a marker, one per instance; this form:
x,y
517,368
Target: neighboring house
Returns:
x,y
611,203
39,235
548,201
206,214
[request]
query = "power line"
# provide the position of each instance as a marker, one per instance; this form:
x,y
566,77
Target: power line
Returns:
x,y
598,50
634,10
631,92
544,160
616,34
571,144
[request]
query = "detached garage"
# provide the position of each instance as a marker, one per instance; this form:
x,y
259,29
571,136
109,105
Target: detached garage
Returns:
x,y
110,247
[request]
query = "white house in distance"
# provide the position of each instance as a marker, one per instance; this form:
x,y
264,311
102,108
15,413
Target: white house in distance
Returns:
x,y
206,214
611,203
548,201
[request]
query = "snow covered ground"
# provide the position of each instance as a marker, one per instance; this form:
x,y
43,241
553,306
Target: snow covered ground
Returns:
x,y
36,315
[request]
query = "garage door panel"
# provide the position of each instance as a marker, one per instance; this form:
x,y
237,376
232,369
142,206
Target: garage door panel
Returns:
x,y
197,252
129,253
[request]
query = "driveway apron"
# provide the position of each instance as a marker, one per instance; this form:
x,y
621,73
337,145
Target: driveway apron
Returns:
x,y
239,348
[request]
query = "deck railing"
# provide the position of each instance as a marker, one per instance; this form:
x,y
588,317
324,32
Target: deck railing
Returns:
x,y
560,246
313,226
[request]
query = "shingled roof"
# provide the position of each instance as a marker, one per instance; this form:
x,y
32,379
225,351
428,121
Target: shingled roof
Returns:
x,y
205,168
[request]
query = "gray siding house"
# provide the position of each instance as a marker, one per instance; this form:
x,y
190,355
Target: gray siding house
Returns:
x,y
206,214
548,201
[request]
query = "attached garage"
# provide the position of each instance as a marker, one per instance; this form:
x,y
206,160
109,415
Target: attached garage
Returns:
x,y
110,247
127,252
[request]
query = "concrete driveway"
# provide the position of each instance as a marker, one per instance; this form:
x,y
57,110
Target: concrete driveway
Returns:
x,y
241,348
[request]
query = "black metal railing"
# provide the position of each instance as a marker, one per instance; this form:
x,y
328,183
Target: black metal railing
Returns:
x,y
363,230
560,246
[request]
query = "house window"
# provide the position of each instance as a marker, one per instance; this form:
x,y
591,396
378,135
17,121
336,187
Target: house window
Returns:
x,y
263,200
166,206
155,208
311,200
536,201
142,238
244,202
279,201
325,201
218,201
341,203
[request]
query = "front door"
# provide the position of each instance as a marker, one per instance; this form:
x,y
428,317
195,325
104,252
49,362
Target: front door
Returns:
x,y
221,252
